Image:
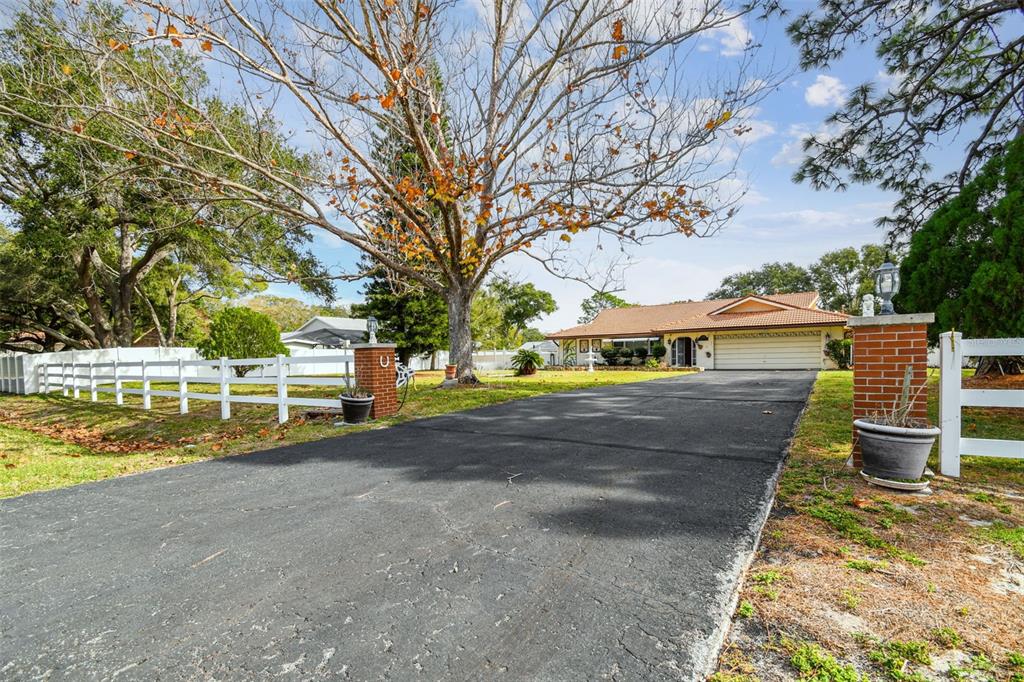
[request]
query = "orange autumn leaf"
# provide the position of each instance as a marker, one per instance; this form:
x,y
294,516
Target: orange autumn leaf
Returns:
x,y
387,101
395,74
420,73
129,155
617,33
77,127
217,446
172,30
175,42
354,98
116,46
160,121
66,69
151,31
206,46
619,52
435,118
273,162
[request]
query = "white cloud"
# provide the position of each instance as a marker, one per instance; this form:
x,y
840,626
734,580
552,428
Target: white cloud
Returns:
x,y
735,38
825,91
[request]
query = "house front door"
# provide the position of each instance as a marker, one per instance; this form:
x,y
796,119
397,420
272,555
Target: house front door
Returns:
x,y
682,352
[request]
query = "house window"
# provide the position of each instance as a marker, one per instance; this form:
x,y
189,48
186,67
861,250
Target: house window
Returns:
x,y
584,346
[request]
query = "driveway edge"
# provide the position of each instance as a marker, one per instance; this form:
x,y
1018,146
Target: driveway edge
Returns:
x,y
706,660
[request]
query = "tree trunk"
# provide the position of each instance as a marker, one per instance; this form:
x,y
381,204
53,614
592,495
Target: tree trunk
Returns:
x,y
460,338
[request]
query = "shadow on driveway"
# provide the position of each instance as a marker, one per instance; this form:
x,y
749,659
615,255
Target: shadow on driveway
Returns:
x,y
566,536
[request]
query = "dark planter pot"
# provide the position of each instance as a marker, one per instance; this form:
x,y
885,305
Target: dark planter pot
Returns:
x,y
893,452
356,410
527,371
450,371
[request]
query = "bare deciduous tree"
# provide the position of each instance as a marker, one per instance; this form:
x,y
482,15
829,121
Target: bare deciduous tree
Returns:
x,y
535,122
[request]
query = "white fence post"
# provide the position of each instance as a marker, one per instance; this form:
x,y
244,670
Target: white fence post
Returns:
x,y
64,379
225,390
182,388
118,393
44,383
950,362
282,390
146,400
74,380
92,383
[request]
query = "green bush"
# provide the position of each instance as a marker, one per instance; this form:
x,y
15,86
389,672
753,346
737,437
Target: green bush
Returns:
x,y
838,351
658,350
640,353
610,355
651,363
625,356
527,361
242,333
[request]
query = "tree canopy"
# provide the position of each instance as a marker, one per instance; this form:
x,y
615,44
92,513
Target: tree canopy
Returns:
x,y
594,304
771,278
966,262
122,243
953,71
842,277
242,333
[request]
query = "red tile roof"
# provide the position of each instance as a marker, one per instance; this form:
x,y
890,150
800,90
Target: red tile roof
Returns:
x,y
653,320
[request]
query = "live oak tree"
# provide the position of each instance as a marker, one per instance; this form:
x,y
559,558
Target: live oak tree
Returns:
x,y
771,278
967,261
595,303
120,244
556,121
954,71
842,277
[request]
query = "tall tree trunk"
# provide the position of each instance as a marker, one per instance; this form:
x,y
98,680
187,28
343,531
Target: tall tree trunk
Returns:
x,y
460,338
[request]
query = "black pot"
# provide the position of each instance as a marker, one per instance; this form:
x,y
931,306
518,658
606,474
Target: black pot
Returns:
x,y
893,452
356,410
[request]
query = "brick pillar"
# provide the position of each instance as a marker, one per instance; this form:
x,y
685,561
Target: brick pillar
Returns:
x,y
883,346
376,372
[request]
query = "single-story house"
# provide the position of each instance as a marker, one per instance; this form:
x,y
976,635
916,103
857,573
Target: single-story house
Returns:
x,y
783,331
326,332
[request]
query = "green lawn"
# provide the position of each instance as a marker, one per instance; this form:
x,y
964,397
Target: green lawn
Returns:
x,y
51,441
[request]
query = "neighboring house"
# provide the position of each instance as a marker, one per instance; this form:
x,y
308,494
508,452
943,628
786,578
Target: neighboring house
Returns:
x,y
547,349
784,331
326,332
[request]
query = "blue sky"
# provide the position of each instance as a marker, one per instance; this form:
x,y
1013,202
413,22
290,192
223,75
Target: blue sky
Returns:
x,y
778,221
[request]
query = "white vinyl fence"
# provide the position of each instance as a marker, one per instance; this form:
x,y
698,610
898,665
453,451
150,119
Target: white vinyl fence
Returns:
x,y
952,397
74,375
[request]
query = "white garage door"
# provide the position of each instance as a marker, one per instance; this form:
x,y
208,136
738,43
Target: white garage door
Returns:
x,y
776,351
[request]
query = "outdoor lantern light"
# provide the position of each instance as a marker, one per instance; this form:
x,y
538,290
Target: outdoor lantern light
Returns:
x,y
887,285
371,327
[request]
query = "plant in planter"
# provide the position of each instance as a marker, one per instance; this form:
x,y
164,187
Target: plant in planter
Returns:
x,y
356,403
894,445
610,355
626,356
449,371
526,362
640,354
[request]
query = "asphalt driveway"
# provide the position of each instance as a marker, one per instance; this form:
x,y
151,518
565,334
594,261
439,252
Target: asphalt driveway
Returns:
x,y
586,535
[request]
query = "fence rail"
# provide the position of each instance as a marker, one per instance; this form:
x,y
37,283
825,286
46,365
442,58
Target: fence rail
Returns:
x,y
72,378
952,397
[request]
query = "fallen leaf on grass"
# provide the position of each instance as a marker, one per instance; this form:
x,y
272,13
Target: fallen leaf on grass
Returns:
x,y
263,433
217,446
861,502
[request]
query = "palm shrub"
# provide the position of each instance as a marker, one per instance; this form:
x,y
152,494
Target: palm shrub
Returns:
x,y
527,361
242,333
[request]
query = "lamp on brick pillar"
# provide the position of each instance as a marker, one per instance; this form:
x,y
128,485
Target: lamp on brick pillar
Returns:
x,y
887,285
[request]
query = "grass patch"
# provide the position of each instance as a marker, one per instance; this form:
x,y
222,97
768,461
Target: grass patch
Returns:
x,y
1011,537
866,565
896,659
49,441
813,663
